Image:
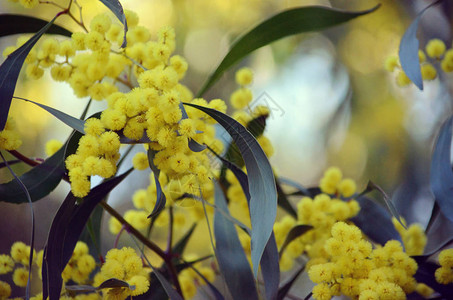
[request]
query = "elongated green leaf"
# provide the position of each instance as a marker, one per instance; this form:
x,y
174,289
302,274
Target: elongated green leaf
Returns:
x,y
286,23
10,69
441,174
230,255
375,221
161,199
15,24
293,234
32,213
387,201
39,181
117,9
283,201
181,244
263,192
408,52
65,231
69,120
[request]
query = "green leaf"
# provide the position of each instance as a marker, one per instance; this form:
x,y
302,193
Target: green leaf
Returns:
x,y
262,189
293,234
15,24
39,181
441,174
286,23
408,51
10,69
117,10
181,244
69,120
161,199
230,255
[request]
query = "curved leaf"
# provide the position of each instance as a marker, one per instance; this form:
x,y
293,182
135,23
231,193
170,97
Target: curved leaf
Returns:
x,y
10,69
230,255
292,183
387,201
14,24
178,249
286,23
117,10
283,201
263,192
40,180
375,221
293,234
69,120
64,233
284,289
441,174
161,199
408,52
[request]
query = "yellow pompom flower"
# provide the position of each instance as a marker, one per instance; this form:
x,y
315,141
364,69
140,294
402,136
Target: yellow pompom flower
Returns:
x,y
244,76
5,290
20,277
402,79
322,292
140,161
100,23
391,63
6,264
53,146
424,290
114,226
428,71
446,258
347,187
435,48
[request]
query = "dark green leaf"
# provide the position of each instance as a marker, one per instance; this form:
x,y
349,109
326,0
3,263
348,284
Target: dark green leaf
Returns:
x,y
263,193
15,24
161,200
230,255
65,231
9,72
181,244
114,283
293,234
283,201
441,174
40,180
286,23
69,120
257,125
32,238
117,9
408,52
375,221
387,201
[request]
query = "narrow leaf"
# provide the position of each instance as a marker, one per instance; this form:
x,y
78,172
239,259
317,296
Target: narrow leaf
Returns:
x,y
69,120
179,247
295,185
114,283
230,255
117,10
408,51
283,201
293,234
286,23
263,192
32,238
39,181
15,24
10,69
441,174
375,221
161,200
425,273
387,201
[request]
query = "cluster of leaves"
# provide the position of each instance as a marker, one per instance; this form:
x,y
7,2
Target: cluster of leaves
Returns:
x,y
263,191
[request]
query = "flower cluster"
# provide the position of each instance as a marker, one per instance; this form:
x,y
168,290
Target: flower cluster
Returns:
x,y
321,212
9,137
436,51
444,274
357,270
414,237
123,264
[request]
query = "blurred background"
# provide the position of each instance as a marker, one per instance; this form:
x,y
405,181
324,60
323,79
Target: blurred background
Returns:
x,y
331,101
